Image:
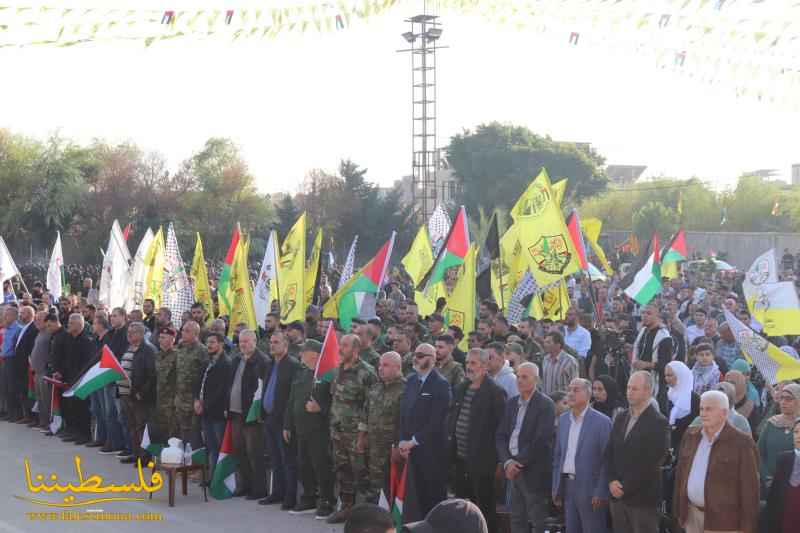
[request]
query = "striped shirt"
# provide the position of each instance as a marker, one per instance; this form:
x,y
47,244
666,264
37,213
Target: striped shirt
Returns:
x,y
123,385
462,423
557,375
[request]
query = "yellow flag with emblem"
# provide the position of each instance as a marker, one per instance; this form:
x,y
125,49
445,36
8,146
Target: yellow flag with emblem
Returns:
x,y
154,262
312,272
200,285
591,231
553,303
542,233
417,262
507,271
460,309
559,190
243,311
291,273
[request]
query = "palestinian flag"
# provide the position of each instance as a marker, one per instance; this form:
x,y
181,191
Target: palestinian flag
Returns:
x,y
328,360
31,385
346,304
676,250
223,484
574,229
452,253
255,405
151,447
399,496
105,371
55,410
647,281
224,292
199,456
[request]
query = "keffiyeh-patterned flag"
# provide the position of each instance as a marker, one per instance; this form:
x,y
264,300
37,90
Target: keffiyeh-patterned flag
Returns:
x,y
526,287
349,264
176,291
438,228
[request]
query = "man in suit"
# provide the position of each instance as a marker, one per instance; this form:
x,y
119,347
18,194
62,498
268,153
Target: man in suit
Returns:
x,y
423,428
580,481
477,411
278,385
634,457
23,346
524,444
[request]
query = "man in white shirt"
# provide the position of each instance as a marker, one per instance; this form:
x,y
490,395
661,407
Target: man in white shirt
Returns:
x,y
576,336
697,329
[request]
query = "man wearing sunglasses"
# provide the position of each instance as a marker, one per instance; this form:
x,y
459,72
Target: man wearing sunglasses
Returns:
x,y
423,428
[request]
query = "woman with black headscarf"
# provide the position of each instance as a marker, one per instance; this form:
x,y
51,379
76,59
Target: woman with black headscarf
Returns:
x,y
605,394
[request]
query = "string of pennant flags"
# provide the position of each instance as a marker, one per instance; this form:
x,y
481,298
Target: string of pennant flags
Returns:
x,y
750,45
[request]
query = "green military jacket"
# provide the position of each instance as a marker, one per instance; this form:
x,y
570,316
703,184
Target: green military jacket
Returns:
x,y
304,387
190,363
453,372
371,356
349,388
383,409
166,374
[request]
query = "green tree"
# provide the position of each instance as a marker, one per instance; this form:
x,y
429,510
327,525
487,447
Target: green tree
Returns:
x,y
496,162
654,218
286,214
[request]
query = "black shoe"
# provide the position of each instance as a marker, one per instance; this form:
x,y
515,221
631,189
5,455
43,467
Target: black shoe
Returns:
x,y
130,460
287,506
324,510
80,441
107,451
94,444
69,438
252,497
122,454
271,500
303,507
238,493
48,433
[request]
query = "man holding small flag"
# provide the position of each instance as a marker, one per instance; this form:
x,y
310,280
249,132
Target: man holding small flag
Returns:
x,y
248,368
71,355
307,424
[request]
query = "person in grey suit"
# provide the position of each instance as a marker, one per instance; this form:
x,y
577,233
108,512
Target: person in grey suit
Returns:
x,y
580,480
524,448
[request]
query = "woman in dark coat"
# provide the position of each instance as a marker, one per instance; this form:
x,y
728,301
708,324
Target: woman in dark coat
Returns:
x,y
783,502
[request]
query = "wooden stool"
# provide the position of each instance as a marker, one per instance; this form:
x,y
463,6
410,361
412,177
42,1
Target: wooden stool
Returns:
x,y
183,470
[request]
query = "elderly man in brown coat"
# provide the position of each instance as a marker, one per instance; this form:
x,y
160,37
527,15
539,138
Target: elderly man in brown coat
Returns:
x,y
716,483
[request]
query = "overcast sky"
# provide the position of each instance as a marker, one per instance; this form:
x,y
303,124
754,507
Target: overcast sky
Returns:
x,y
304,101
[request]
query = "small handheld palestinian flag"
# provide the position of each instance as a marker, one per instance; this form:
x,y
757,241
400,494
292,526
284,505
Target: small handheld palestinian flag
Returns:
x,y
55,410
329,358
106,370
223,484
151,447
255,406
31,385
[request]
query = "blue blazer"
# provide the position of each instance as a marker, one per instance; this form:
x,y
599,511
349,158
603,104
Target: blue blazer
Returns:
x,y
591,478
423,417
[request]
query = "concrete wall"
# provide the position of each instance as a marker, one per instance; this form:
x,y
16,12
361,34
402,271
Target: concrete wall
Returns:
x,y
741,247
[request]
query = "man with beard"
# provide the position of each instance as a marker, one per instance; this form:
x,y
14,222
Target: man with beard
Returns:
x,y
653,350
445,364
148,308
423,431
478,408
527,332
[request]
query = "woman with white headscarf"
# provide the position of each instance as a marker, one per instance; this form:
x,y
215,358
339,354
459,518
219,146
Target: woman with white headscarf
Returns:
x,y
683,404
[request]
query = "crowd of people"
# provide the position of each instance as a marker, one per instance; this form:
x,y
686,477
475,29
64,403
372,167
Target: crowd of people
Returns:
x,y
618,417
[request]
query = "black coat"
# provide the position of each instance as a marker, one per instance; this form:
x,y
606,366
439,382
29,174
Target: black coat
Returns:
x,y
423,416
636,461
485,414
255,368
287,369
682,424
143,374
22,351
215,390
118,343
777,492
75,354
535,440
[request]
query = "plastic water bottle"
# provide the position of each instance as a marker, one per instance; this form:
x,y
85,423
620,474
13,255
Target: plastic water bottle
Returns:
x,y
187,455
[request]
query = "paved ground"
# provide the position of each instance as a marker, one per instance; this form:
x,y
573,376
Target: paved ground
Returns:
x,y
49,455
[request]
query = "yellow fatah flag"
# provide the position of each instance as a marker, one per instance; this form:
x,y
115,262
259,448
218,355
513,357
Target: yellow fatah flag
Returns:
x,y
154,262
559,190
553,303
460,309
591,231
200,287
243,311
417,262
291,273
507,271
313,269
542,233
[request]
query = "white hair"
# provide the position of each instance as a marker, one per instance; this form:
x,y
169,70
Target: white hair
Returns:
x,y
483,355
718,397
393,357
528,364
247,333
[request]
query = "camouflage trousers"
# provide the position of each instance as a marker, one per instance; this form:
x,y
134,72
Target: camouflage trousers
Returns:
x,y
164,418
350,466
378,457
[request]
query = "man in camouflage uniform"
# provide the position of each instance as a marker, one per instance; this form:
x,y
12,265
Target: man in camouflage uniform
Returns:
x,y
351,381
366,335
378,432
165,385
450,370
191,361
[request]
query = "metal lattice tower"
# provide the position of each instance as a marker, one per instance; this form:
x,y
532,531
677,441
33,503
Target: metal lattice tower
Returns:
x,y
425,32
